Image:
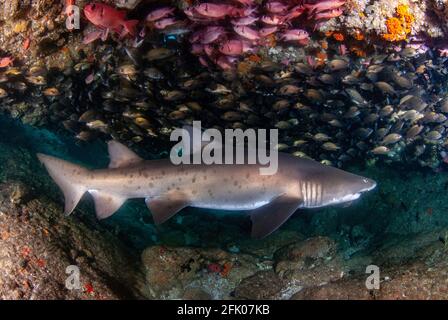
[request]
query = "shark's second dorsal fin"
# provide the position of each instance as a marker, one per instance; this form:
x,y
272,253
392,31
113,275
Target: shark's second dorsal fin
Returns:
x,y
120,155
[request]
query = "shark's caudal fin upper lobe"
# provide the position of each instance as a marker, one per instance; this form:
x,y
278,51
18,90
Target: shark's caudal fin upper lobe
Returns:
x,y
68,177
72,179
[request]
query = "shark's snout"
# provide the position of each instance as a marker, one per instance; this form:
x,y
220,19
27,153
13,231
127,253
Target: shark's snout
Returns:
x,y
369,184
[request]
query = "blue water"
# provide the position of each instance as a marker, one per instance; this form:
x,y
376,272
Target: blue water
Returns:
x,y
397,208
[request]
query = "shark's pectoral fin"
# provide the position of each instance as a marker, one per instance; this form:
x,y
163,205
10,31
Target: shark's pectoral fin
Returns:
x,y
106,204
120,155
270,217
166,206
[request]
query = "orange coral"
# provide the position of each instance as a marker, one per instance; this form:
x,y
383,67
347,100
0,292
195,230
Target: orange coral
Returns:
x,y
358,35
324,44
400,26
321,57
226,269
338,36
254,58
244,67
359,52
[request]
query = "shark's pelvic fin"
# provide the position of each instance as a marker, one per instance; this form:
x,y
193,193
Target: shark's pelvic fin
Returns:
x,y
65,174
106,204
270,217
121,156
166,206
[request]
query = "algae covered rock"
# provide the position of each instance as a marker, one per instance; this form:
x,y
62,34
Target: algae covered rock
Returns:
x,y
262,285
174,272
42,252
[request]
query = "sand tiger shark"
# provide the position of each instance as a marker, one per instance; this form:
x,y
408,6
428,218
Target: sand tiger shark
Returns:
x,y
167,188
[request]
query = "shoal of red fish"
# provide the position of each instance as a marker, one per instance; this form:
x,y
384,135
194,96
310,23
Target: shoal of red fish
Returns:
x,y
220,33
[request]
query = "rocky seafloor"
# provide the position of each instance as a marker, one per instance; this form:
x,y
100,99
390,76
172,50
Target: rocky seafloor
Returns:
x,y
402,228
363,104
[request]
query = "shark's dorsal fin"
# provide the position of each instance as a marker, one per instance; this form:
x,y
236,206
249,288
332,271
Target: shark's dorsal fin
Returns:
x,y
165,206
120,155
270,217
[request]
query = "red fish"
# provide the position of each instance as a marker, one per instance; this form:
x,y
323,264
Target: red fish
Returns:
x,y
26,44
247,32
296,35
107,17
245,21
212,10
273,20
235,47
329,14
159,14
267,31
324,5
276,7
165,22
6,62
211,34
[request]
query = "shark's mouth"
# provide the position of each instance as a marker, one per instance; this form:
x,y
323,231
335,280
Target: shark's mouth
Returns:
x,y
348,197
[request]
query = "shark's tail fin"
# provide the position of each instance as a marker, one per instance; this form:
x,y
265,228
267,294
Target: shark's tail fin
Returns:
x,y
68,177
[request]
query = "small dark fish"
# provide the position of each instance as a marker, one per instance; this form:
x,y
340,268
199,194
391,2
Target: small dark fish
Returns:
x,y
304,69
232,116
414,131
314,95
330,146
371,118
444,105
391,139
321,137
336,123
385,88
411,115
381,150
88,116
363,133
433,135
327,79
154,74
158,54
387,110
350,80
3,93
352,113
337,65
355,96
51,92
289,90
281,105
411,102
401,81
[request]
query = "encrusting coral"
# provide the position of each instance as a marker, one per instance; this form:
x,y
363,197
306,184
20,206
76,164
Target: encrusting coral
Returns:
x,y
400,26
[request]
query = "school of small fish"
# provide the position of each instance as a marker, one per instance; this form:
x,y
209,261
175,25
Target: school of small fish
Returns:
x,y
388,105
